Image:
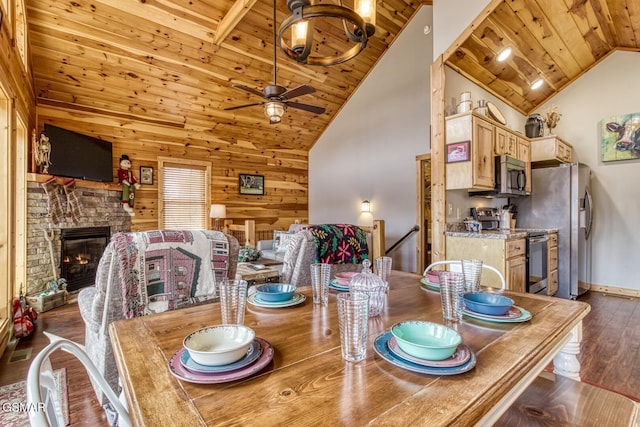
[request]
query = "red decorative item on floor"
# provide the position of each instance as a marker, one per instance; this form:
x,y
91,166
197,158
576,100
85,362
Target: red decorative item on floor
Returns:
x,y
24,318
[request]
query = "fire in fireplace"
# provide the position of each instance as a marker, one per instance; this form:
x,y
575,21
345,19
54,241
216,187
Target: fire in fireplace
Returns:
x,y
80,254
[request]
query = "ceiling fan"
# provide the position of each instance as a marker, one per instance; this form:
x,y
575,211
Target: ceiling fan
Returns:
x,y
278,98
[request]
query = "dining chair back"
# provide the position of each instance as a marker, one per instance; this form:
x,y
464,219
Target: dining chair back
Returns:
x,y
459,262
43,400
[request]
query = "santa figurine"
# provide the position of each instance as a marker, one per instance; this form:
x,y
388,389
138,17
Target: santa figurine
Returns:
x,y
129,184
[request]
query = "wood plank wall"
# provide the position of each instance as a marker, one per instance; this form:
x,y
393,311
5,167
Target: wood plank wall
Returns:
x,y
285,170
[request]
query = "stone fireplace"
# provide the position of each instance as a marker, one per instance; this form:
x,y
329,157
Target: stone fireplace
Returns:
x,y
102,215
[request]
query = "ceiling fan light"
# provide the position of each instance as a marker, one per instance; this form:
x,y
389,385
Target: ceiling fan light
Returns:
x,y
504,54
537,84
274,110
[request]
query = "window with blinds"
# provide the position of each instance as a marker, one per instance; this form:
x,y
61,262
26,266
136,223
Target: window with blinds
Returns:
x,y
184,194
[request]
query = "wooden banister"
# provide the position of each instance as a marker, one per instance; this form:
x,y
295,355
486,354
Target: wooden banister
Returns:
x,y
245,233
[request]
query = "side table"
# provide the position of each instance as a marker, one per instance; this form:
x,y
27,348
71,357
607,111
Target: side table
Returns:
x,y
257,276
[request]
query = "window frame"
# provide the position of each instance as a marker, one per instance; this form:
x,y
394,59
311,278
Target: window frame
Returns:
x,y
187,164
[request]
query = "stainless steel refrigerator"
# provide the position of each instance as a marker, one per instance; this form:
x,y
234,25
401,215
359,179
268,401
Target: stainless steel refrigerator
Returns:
x,y
561,198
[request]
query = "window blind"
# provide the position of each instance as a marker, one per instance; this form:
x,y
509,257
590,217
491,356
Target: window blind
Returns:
x,y
184,196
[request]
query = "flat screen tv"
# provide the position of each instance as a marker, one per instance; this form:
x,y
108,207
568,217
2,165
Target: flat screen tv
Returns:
x,y
79,156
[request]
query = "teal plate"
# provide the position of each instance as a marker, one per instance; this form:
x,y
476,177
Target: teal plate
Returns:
x,y
297,298
381,346
426,284
522,318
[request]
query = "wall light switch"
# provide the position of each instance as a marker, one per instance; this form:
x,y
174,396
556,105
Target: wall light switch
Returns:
x,y
449,209
458,213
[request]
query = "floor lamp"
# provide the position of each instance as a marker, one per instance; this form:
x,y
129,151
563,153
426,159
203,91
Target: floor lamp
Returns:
x,y
217,212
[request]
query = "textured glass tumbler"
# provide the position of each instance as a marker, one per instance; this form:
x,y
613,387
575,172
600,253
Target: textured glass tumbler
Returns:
x,y
353,321
320,277
451,292
233,299
472,271
383,267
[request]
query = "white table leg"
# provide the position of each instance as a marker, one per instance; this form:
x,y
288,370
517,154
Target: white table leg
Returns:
x,y
566,362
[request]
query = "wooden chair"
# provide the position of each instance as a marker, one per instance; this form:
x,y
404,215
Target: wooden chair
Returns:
x,y
554,400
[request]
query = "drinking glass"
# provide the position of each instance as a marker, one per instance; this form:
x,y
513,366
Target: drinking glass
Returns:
x,y
383,267
320,277
451,291
233,299
472,271
353,321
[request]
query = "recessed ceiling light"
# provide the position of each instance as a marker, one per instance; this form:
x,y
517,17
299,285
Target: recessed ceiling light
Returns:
x,y
536,85
504,54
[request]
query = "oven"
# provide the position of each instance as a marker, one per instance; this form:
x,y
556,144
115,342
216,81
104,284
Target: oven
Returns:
x,y
537,247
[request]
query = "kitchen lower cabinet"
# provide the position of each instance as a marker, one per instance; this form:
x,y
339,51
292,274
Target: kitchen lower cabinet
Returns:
x,y
552,264
506,255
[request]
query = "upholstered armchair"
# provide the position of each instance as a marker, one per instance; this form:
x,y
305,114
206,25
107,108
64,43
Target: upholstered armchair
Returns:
x,y
344,252
149,272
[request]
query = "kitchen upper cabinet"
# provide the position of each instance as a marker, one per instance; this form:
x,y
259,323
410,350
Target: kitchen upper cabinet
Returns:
x,y
477,173
550,151
506,255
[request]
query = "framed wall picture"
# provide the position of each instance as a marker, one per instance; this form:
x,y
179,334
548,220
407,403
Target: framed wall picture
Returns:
x,y
458,152
146,175
251,184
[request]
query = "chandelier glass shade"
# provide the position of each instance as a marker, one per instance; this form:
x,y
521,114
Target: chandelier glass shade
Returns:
x,y
359,25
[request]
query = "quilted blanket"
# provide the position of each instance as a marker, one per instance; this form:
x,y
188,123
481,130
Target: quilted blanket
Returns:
x,y
169,269
340,243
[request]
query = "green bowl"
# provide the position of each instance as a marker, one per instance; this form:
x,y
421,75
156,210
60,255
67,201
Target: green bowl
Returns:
x,y
426,340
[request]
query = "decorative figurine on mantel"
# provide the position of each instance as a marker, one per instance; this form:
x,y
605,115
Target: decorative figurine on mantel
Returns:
x,y
41,151
129,184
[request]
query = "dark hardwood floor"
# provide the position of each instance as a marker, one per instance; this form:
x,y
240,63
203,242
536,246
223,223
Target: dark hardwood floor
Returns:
x,y
609,356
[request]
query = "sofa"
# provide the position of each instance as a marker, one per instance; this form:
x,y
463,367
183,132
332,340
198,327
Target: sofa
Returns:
x,y
274,249
147,272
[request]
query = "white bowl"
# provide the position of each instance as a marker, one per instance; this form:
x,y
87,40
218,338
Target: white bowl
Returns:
x,y
219,345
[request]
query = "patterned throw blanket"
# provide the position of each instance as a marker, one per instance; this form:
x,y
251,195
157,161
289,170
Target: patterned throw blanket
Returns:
x,y
340,243
169,269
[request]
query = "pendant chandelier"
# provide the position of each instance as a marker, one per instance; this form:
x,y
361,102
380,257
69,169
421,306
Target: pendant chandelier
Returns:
x,y
359,25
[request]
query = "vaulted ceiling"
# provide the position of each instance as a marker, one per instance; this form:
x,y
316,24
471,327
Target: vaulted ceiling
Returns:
x,y
556,40
173,62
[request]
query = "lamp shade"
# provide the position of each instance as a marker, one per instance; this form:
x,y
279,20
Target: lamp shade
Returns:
x,y
218,211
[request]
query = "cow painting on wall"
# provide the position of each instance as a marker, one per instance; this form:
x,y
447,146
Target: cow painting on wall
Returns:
x,y
621,137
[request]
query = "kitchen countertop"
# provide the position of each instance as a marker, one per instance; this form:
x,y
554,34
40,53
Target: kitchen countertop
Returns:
x,y
501,233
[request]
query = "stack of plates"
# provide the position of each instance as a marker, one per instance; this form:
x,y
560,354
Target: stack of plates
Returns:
x,y
463,360
514,315
296,298
333,284
430,286
258,356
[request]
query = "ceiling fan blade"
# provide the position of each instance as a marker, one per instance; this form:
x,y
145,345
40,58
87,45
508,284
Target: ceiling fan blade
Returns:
x,y
306,107
249,89
297,91
243,106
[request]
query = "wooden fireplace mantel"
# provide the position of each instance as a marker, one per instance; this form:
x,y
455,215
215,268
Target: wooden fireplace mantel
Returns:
x,y
37,177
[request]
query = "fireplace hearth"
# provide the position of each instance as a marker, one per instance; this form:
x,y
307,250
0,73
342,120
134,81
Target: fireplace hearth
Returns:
x,y
81,249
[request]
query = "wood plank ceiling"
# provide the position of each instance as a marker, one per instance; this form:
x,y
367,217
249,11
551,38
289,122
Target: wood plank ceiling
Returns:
x,y
173,63
557,40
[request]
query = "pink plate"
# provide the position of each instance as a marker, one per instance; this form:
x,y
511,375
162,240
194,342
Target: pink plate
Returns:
x,y
460,357
180,372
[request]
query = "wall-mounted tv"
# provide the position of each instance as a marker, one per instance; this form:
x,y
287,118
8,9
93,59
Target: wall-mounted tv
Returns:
x,y
79,156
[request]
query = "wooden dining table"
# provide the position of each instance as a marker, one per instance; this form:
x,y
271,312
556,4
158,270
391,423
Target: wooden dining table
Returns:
x,y
308,382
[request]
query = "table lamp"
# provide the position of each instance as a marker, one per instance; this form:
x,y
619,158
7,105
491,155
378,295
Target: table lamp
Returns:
x,y
217,212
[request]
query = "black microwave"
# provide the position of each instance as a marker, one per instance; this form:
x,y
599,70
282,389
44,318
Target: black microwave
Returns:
x,y
510,178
